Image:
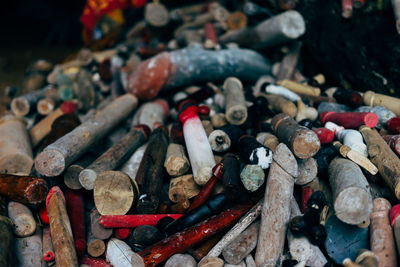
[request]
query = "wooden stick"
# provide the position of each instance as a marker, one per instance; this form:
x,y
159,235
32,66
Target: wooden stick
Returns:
x,y
181,260
22,218
235,106
22,105
152,113
43,127
24,189
182,187
48,250
114,193
395,223
299,88
289,62
389,102
176,163
303,142
118,253
95,247
153,159
383,157
187,66
131,166
279,104
29,250
242,245
114,156
56,157
394,142
208,261
381,233
350,188
96,228
15,147
76,211
60,229
201,251
308,170
276,209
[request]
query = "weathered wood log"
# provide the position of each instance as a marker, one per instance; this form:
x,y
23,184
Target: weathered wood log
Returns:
x,y
235,105
208,261
95,247
57,156
181,260
280,104
176,163
24,189
152,113
153,159
383,157
60,228
22,218
15,148
350,188
114,156
22,105
308,170
96,228
114,193
276,30
276,209
7,252
119,254
29,250
187,67
303,142
182,187
381,233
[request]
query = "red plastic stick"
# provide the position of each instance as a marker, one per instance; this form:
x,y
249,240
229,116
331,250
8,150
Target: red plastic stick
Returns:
x,y
207,189
132,221
94,262
191,236
76,213
350,120
306,193
122,233
325,135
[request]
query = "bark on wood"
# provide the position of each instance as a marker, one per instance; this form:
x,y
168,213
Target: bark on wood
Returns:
x,y
112,158
57,156
154,159
351,193
381,233
303,142
384,158
275,213
22,218
114,193
15,148
60,229
24,189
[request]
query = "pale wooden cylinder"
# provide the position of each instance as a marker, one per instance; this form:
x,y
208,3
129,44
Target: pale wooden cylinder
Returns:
x,y
384,158
275,213
381,234
271,141
95,247
119,254
182,188
15,147
308,169
22,218
208,261
60,154
114,193
300,88
96,228
235,105
350,188
176,163
181,260
373,99
22,105
279,104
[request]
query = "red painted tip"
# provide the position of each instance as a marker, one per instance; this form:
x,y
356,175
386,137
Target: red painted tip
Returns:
x,y
394,214
44,216
122,233
68,107
218,170
394,125
371,120
48,256
189,113
53,190
325,135
144,128
306,193
204,110
356,99
324,115
164,105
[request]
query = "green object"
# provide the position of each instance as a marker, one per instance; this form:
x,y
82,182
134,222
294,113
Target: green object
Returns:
x,y
65,93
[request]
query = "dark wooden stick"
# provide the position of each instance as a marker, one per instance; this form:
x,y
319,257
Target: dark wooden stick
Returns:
x,y
7,257
24,189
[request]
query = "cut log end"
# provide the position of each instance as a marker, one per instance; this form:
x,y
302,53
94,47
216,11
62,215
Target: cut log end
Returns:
x,y
36,191
20,106
87,177
359,210
294,26
50,163
16,163
306,144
